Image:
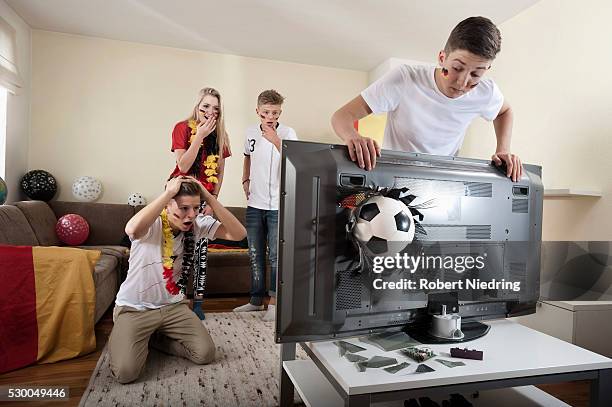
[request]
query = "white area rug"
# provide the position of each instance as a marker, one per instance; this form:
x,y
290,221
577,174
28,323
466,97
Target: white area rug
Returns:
x,y
245,371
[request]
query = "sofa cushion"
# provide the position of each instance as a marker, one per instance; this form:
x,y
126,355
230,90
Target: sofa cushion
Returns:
x,y
106,221
122,254
14,227
42,221
105,267
105,280
113,250
228,259
224,280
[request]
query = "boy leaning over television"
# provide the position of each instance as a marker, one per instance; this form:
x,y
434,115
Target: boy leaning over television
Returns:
x,y
429,108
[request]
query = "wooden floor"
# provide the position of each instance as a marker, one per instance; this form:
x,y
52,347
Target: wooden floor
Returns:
x,y
75,373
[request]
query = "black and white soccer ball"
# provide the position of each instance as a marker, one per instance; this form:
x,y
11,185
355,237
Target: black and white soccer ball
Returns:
x,y
87,189
385,225
136,199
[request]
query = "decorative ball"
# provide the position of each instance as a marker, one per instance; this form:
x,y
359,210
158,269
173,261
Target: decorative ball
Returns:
x,y
3,191
72,229
86,189
385,225
39,185
136,199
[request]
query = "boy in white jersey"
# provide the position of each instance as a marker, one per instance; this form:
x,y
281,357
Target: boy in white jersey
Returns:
x,y
151,300
261,183
429,108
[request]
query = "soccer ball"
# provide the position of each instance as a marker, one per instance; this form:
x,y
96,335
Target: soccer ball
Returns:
x,y
39,185
87,189
385,225
136,199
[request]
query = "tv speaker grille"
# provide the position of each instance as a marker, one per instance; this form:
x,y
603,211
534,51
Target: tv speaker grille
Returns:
x,y
457,232
429,187
348,294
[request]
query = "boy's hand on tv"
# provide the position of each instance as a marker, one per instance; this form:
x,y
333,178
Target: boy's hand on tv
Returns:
x,y
364,150
513,164
205,128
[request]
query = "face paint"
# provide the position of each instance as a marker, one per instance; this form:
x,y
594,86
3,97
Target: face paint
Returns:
x,y
182,214
462,73
269,114
209,107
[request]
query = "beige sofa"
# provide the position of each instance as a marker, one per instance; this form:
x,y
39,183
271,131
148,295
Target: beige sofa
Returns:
x,y
32,223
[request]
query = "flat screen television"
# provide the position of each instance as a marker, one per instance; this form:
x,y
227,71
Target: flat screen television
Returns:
x,y
468,207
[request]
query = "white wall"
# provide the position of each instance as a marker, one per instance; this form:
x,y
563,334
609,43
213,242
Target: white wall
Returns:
x,y
555,70
106,108
18,108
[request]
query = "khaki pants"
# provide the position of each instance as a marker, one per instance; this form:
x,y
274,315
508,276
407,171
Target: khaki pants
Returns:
x,y
177,329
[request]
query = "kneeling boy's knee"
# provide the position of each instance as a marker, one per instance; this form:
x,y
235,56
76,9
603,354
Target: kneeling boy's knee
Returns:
x,y
126,373
205,353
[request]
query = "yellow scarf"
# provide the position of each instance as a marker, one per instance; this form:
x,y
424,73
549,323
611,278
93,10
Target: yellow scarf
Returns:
x,y
211,160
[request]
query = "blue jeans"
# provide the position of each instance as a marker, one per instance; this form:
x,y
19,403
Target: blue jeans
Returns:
x,y
262,228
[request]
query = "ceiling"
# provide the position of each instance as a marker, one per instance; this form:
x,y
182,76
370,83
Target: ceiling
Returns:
x,y
353,34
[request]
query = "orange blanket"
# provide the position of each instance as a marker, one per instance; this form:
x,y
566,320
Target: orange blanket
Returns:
x,y
47,301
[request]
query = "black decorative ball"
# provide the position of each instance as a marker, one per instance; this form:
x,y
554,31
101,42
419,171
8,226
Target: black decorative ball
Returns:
x,y
39,185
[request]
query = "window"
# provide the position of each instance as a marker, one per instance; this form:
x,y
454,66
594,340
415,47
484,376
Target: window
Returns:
x,y
3,109
9,81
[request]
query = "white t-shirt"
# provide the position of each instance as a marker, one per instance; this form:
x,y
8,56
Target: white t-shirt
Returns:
x,y
420,117
145,286
265,166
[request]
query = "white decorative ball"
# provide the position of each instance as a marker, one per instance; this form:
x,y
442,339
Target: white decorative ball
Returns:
x,y
385,225
87,189
136,199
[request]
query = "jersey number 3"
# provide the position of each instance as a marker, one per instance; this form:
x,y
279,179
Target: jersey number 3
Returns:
x,y
252,145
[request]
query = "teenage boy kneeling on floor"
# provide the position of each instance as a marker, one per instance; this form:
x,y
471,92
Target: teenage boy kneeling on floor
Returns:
x,y
151,303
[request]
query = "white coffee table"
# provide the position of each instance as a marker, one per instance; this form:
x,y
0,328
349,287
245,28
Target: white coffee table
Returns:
x,y
514,355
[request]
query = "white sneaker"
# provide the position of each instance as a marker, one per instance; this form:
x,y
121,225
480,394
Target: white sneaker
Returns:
x,y
270,314
248,308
